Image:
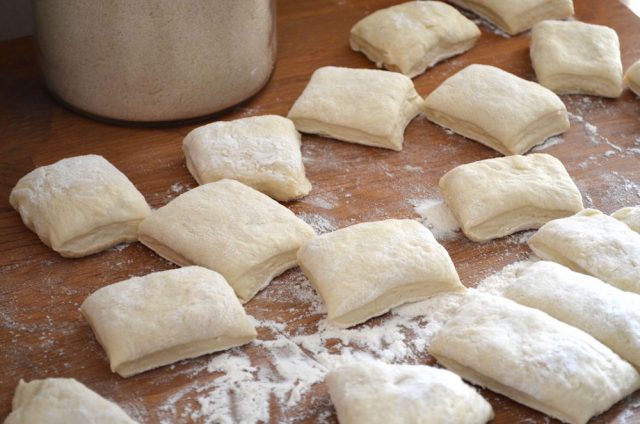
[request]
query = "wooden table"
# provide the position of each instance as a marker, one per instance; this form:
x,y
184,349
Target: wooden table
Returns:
x,y
41,332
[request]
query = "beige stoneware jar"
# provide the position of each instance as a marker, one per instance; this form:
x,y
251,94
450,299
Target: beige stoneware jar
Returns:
x,y
155,60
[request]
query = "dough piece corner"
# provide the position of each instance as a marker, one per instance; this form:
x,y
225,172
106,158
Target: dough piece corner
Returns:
x,y
163,317
230,228
515,17
363,106
364,270
378,393
80,205
632,78
478,102
630,216
412,37
62,401
262,152
571,57
496,197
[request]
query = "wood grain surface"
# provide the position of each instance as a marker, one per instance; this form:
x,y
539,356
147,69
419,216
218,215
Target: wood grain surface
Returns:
x,y
41,331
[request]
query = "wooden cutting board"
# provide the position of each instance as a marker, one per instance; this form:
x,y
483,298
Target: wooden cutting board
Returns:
x,y
41,332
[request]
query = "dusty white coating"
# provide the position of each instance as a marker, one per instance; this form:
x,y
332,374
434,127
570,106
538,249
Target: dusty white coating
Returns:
x,y
438,218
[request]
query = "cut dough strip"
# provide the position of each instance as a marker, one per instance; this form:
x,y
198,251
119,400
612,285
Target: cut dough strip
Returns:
x,y
147,322
413,36
532,358
630,216
632,77
377,393
479,103
496,197
364,270
62,401
593,243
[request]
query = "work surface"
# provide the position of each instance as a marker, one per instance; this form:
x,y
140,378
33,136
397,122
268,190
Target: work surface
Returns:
x,y
43,335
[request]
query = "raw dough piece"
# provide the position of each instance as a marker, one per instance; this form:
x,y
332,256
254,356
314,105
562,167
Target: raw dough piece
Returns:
x,y
493,198
364,270
630,216
80,205
363,106
62,401
262,152
498,109
632,78
147,322
413,36
532,358
577,58
610,315
593,243
230,228
517,16
377,393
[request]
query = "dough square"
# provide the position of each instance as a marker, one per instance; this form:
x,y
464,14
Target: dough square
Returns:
x,y
364,270
493,198
516,16
62,401
262,152
630,216
632,78
230,228
79,205
376,393
577,58
591,242
413,36
363,106
498,109
147,322
533,359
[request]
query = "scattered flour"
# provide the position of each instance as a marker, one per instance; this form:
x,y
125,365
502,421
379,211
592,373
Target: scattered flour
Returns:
x,y
321,200
321,224
437,217
550,142
520,237
495,284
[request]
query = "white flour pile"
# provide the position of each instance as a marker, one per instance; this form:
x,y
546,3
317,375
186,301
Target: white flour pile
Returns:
x,y
495,283
321,224
437,217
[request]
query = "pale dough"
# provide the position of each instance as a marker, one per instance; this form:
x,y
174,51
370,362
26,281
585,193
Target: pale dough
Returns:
x,y
377,393
262,152
630,216
577,58
147,322
610,315
413,36
632,77
593,243
363,106
230,228
80,205
516,16
364,270
498,109
62,401
493,198
532,358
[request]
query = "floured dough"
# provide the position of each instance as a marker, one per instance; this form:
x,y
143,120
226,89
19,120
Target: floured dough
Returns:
x,y
532,358
630,216
632,77
147,322
262,152
363,106
498,109
577,58
230,228
517,16
493,198
593,243
413,36
62,401
610,315
364,270
80,205
377,393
